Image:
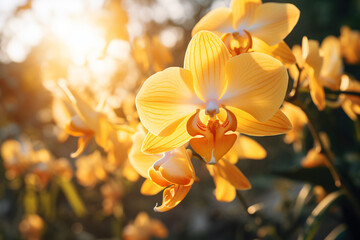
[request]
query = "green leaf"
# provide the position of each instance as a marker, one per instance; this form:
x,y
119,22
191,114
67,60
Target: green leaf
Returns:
x,y
338,233
301,200
73,197
30,201
45,203
314,221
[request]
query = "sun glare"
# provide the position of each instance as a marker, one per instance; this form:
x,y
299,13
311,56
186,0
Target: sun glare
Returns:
x,y
81,39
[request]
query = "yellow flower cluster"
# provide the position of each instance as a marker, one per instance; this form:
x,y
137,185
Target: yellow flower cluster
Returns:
x,y
233,82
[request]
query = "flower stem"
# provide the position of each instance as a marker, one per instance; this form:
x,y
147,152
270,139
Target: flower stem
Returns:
x,y
340,181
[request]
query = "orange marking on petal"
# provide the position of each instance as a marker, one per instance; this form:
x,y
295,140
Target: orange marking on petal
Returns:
x,y
83,141
215,142
76,131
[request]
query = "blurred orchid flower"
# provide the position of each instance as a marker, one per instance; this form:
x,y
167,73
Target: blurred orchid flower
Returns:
x,y
212,96
143,228
90,122
350,44
350,103
320,67
16,157
249,25
39,165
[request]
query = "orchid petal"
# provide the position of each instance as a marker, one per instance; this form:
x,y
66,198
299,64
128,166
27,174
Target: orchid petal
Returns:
x,y
232,174
257,84
206,57
175,167
165,99
77,128
218,21
156,177
129,172
150,188
317,92
274,21
86,112
140,161
278,124
172,196
245,147
332,66
83,141
311,54
297,51
280,51
154,144
243,12
224,191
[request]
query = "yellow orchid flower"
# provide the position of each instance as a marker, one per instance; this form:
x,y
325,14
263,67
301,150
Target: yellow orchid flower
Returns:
x,y
299,120
321,66
249,25
350,44
86,123
171,171
210,97
162,170
143,228
350,103
90,122
332,67
310,61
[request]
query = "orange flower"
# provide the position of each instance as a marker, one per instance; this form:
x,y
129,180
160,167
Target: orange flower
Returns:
x,y
249,25
143,228
211,97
